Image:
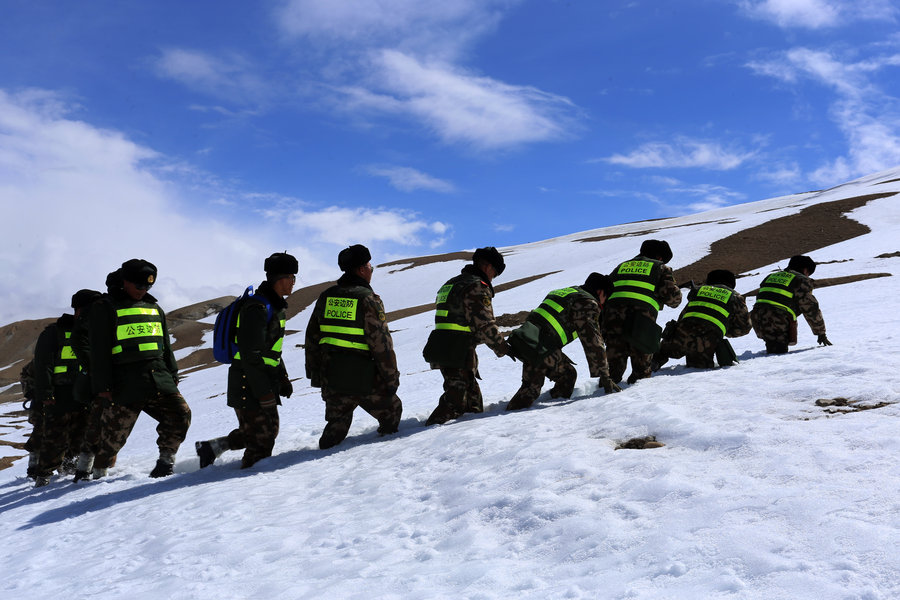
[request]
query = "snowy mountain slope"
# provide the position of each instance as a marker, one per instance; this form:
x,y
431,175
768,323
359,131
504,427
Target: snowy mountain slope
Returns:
x,y
758,493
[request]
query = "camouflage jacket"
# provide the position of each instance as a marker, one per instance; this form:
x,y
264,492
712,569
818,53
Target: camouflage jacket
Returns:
x,y
376,334
585,316
807,303
471,297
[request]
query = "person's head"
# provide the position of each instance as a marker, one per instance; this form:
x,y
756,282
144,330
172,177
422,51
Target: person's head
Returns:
x,y
82,299
114,281
356,260
281,272
721,277
599,286
802,264
489,261
138,276
657,250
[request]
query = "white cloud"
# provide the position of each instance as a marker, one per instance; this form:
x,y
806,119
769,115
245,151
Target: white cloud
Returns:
x,y
227,76
868,117
817,14
77,201
407,179
461,107
343,226
683,153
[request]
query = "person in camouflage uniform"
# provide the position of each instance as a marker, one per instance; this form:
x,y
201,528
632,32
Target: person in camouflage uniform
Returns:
x,y
713,311
133,369
782,295
257,377
350,352
642,285
564,315
464,318
89,443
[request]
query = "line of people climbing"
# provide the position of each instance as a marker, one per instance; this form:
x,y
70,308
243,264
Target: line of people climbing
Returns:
x,y
96,370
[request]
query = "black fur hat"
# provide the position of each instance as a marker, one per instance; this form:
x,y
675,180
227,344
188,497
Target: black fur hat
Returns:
x,y
721,277
657,249
353,256
83,298
800,262
138,271
490,255
280,263
596,281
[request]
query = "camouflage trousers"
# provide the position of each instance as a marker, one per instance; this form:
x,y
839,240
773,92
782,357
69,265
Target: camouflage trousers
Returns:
x,y
619,349
90,441
383,404
774,326
693,339
255,434
63,431
462,394
556,367
117,421
36,439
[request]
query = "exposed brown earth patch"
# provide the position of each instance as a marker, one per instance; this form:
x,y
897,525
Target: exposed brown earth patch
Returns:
x,y
640,443
410,263
891,255
836,406
812,228
829,281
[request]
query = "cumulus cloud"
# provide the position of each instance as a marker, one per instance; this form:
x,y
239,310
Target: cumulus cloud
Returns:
x,y
817,14
682,153
78,200
407,179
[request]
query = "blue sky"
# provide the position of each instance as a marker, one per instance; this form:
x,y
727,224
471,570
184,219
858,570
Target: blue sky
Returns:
x,y
205,135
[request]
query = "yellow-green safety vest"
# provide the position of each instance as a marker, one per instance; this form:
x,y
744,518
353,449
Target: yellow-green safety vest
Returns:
x,y
636,281
710,303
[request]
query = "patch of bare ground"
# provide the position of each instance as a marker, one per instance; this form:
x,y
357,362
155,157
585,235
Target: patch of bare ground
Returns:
x,y
891,255
840,406
410,263
640,443
812,228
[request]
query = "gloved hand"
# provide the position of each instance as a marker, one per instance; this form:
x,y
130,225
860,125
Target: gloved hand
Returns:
x,y
608,385
823,340
270,400
286,388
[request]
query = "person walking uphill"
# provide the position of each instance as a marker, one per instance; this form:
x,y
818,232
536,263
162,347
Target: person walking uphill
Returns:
x,y
55,372
641,286
133,369
350,353
257,376
564,315
781,297
464,318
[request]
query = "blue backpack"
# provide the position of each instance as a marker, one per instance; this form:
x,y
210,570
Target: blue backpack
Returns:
x,y
225,329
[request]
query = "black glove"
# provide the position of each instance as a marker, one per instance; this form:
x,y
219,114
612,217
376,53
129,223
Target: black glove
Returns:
x,y
286,388
823,340
608,385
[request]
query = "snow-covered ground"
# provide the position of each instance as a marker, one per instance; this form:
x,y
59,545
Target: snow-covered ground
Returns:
x,y
759,493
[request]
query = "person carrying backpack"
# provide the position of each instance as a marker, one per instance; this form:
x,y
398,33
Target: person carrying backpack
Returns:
x,y
257,376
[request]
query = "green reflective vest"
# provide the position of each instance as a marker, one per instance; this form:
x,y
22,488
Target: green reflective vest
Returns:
x,y
778,290
341,319
449,314
552,316
271,356
65,365
710,303
138,333
636,281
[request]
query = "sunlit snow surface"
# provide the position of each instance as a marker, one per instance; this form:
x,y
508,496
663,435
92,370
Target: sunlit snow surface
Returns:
x,y
758,493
